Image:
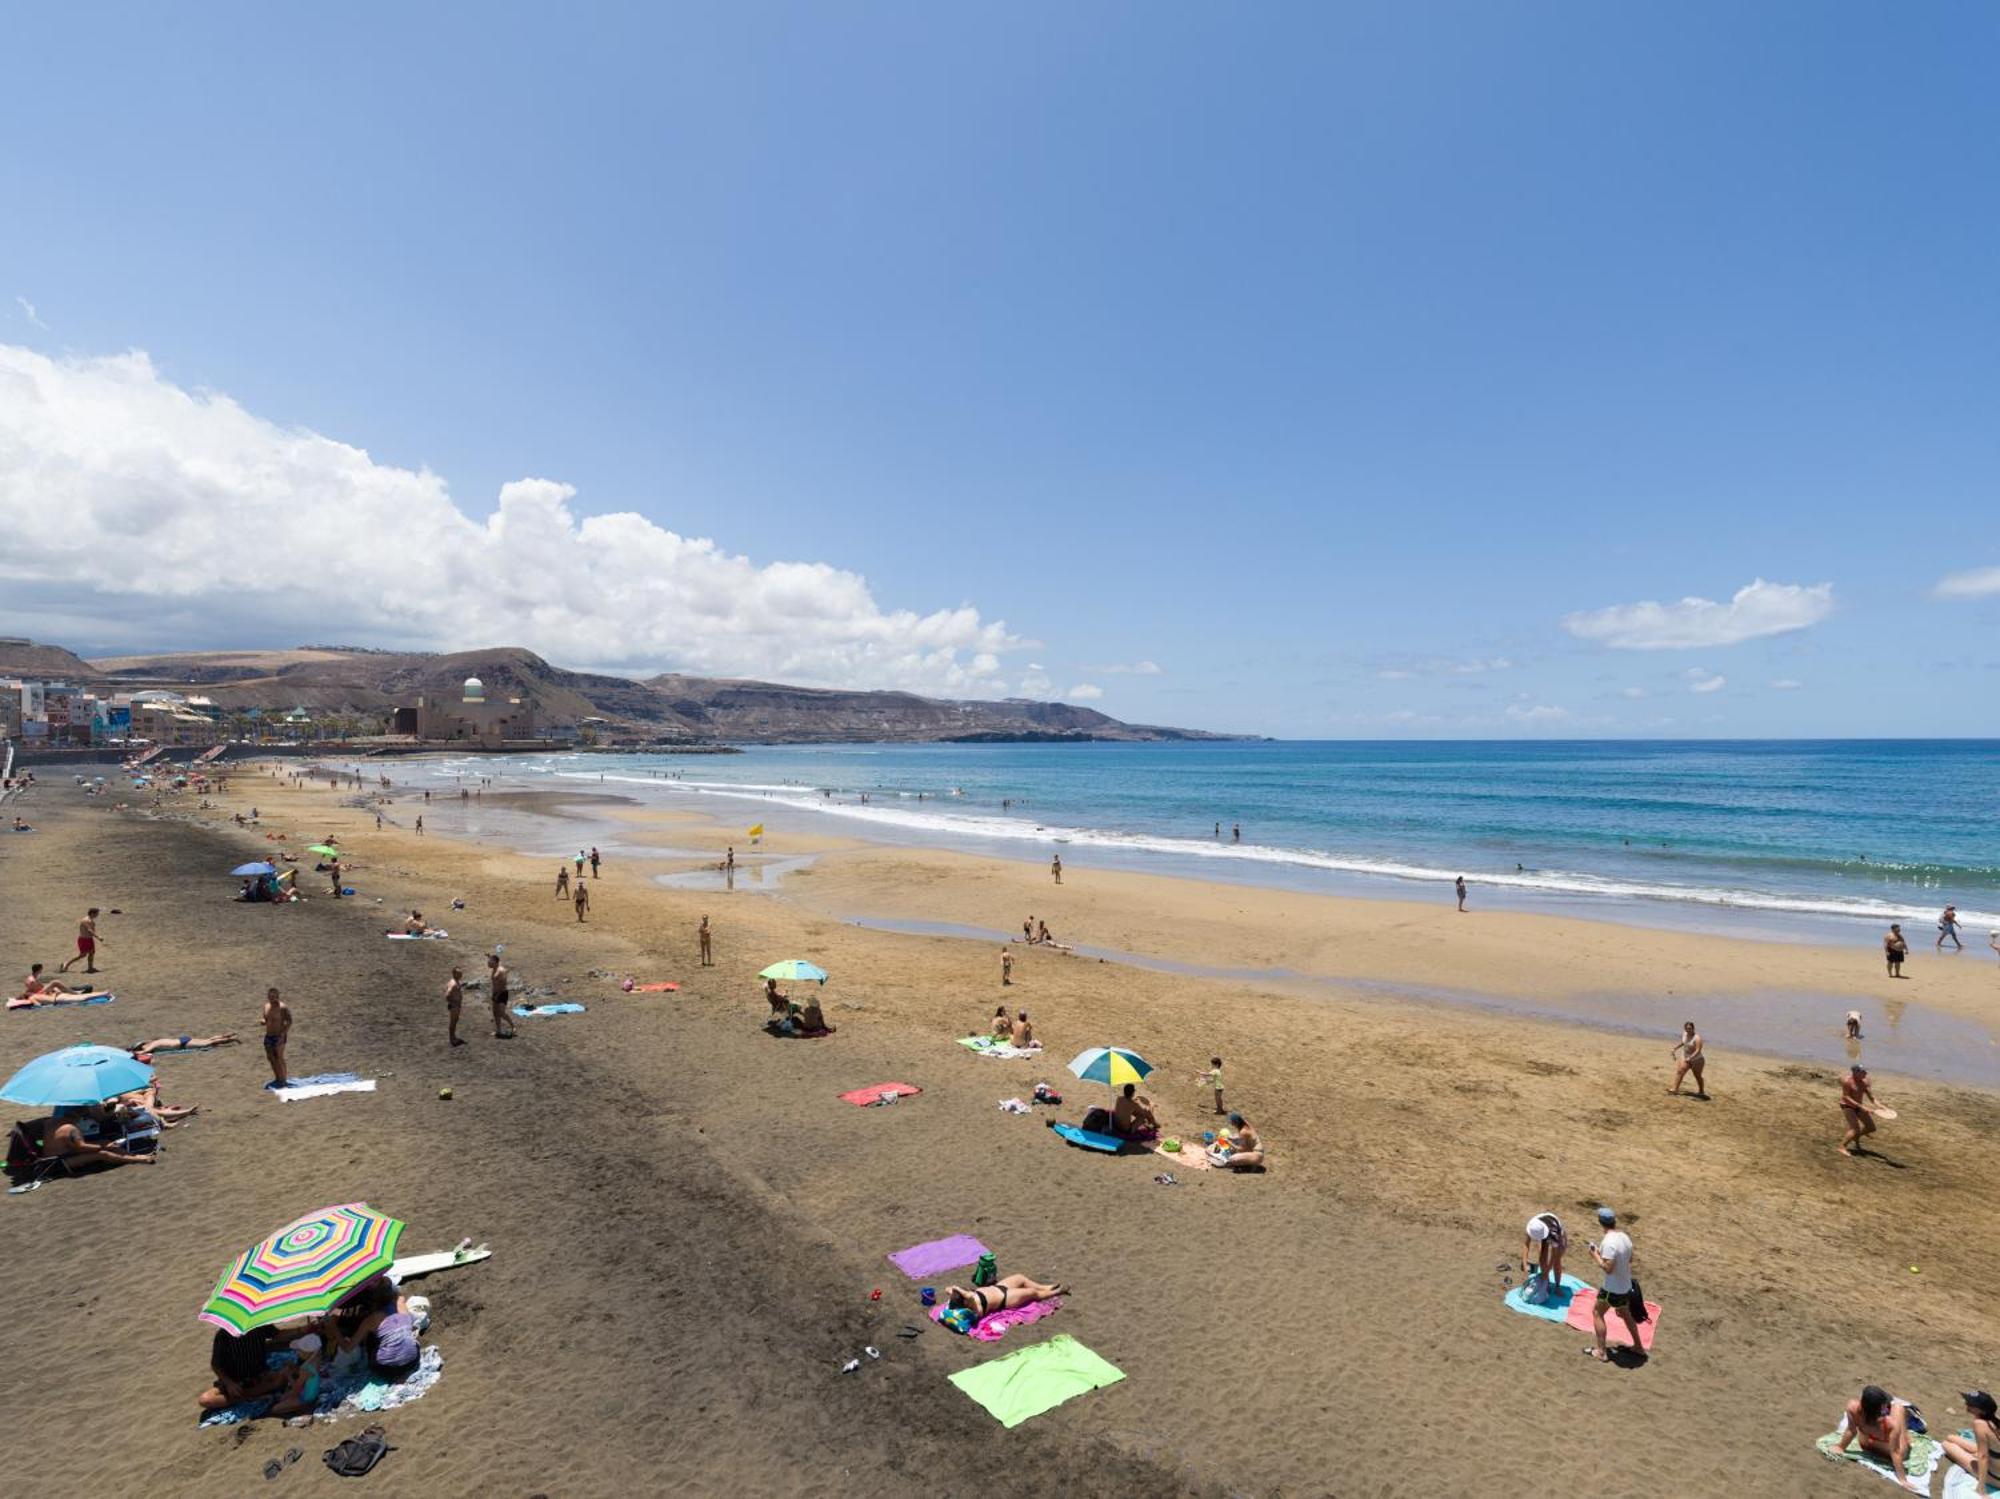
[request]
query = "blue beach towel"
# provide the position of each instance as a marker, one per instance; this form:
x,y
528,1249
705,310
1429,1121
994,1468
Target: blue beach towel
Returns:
x,y
68,1004
1090,1139
526,1011
1555,1309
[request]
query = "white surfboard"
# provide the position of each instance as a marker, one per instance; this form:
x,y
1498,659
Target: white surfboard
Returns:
x,y
408,1267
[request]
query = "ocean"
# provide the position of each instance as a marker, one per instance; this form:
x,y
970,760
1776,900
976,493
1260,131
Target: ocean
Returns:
x,y
1832,830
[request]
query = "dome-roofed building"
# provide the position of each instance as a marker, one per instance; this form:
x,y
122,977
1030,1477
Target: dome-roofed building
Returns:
x,y
475,690
473,719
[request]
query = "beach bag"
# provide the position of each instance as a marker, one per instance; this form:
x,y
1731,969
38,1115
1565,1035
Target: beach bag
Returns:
x,y
986,1271
1638,1302
1097,1121
958,1318
354,1457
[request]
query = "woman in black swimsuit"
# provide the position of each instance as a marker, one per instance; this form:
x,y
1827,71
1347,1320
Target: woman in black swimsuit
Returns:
x,y
1006,1293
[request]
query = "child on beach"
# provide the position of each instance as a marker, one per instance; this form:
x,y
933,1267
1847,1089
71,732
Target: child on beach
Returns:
x,y
277,1031
1212,1080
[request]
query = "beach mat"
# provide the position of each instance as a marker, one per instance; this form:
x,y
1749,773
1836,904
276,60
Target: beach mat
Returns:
x,y
1006,1051
921,1261
1616,1334
993,1327
876,1093
1191,1156
320,1085
1090,1139
1925,1455
1557,1307
67,1004
1021,1385
528,1012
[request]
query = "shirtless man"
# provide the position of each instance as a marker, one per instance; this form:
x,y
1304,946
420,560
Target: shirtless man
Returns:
x,y
707,957
582,898
67,1144
1855,1096
1028,931
1132,1115
1023,1033
277,1031
1688,1051
415,925
48,992
562,880
1055,868
1006,967
496,980
333,873
86,943
182,1043
1895,949
454,1003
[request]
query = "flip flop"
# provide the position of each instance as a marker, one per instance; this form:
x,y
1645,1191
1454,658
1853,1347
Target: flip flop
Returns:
x,y
1590,1351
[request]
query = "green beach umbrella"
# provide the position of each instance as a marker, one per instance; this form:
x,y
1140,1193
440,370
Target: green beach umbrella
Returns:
x,y
796,969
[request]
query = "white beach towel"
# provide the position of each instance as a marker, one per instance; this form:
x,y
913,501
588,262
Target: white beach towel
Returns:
x,y
321,1085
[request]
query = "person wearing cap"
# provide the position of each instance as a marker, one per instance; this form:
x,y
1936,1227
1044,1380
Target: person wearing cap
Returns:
x,y
1855,1096
1979,1456
1542,1250
1614,1258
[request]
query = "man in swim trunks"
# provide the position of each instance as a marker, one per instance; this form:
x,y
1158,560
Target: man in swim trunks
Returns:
x,y
1948,927
1023,1034
144,1049
582,898
562,881
1133,1116
1055,868
1895,949
86,944
277,1031
1688,1051
454,1002
67,1144
1855,1096
496,980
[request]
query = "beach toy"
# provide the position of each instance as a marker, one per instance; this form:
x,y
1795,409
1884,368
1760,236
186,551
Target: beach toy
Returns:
x,y
444,1093
928,1295
876,1294
1170,1145
1208,1137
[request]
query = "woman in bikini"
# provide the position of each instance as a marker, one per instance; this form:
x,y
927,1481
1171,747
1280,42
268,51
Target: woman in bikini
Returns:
x,y
1005,1294
1688,1051
1981,1456
1881,1428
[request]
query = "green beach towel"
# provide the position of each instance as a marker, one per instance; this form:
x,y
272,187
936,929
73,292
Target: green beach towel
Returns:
x,y
1036,1379
1925,1454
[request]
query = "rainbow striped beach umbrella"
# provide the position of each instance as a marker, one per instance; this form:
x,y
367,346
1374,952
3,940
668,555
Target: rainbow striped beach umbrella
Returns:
x,y
304,1268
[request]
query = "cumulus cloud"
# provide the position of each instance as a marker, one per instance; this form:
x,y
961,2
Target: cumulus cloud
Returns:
x,y
166,516
1135,669
1086,692
1701,679
1976,583
1756,610
28,312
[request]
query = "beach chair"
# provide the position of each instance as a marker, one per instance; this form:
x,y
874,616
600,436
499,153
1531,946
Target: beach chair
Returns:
x,y
28,1162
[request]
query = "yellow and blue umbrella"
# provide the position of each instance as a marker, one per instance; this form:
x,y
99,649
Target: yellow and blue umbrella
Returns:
x,y
797,970
1110,1064
305,1268
81,1074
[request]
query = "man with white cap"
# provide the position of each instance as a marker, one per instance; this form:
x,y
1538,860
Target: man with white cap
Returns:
x,y
1614,1258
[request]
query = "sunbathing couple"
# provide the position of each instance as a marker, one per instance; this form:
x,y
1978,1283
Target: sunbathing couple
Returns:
x,y
120,1131
1036,934
1880,1426
374,1323
1015,1032
1004,1295
38,992
789,1019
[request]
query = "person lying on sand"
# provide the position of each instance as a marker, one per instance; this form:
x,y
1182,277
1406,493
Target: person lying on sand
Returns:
x,y
1004,1295
1981,1456
1023,1034
40,991
144,1049
1881,1428
242,1372
1133,1116
1242,1150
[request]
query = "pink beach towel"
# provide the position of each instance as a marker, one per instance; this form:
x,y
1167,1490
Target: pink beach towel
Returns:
x,y
993,1327
863,1097
1191,1156
921,1261
1616,1333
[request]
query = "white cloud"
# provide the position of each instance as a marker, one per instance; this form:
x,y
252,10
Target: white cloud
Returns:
x,y
1535,712
1433,666
1394,674
1756,610
1036,683
1635,693
173,517
1787,684
1701,679
1135,669
1978,583
1085,692
28,312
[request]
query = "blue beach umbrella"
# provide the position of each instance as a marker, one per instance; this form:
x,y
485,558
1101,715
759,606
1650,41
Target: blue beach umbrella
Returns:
x,y
248,869
796,969
76,1075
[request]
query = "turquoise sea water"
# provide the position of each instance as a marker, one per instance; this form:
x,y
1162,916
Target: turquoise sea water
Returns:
x,y
1869,830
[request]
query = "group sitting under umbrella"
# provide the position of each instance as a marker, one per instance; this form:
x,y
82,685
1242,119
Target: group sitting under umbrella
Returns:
x,y
104,1110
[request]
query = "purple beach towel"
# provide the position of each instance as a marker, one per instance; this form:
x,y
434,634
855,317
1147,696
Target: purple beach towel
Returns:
x,y
921,1261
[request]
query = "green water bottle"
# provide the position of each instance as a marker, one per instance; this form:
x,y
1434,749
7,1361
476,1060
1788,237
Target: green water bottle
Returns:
x,y
986,1271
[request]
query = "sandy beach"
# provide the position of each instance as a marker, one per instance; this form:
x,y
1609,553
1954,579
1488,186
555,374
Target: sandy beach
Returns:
x,y
687,1223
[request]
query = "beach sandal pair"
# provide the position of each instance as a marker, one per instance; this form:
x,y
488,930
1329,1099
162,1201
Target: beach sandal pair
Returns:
x,y
358,1454
278,1465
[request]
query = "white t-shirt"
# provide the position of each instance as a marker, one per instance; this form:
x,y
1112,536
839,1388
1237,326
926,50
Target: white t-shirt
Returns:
x,y
1617,1248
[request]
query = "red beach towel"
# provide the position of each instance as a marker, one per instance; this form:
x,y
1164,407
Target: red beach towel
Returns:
x,y
863,1097
1616,1333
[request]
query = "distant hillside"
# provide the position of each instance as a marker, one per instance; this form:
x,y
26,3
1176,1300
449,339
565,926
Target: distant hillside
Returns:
x,y
671,707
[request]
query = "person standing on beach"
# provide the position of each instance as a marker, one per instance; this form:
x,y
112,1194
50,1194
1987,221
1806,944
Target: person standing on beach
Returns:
x,y
729,859
582,899
1236,832
1459,886
1855,1098
496,991
562,880
333,874
1055,868
1212,1080
702,935
593,861
1948,927
454,1002
277,1031
1895,949
420,817
1006,967
86,944
1614,1258
1690,1058
579,863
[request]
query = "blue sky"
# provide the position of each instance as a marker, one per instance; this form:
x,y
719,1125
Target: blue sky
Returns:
x,y
1340,362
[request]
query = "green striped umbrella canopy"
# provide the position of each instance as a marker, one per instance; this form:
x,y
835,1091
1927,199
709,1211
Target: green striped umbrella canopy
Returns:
x,y
305,1268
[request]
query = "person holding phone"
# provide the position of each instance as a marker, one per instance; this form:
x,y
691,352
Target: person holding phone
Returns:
x,y
1614,1258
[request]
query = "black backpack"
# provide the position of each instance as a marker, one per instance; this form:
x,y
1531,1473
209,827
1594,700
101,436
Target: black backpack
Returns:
x,y
357,1455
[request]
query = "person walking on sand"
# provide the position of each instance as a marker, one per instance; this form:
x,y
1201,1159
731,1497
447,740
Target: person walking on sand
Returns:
x,y
580,856
1689,1058
277,1031
1895,949
562,881
593,861
86,944
702,933
582,899
454,1003
1458,885
420,817
1948,927
1055,868
1856,1098
496,991
1614,1258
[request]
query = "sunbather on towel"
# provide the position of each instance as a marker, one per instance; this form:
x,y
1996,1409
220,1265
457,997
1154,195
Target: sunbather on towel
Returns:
x,y
1132,1116
242,1372
144,1049
1882,1429
40,991
1981,1456
1006,1293
1023,1034
66,1143
415,925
